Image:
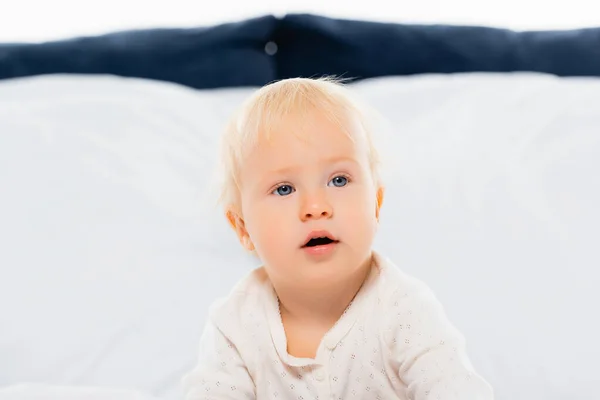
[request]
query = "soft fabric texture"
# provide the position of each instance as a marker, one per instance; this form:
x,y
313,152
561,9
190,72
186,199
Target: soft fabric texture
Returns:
x,y
260,50
58,392
393,341
112,248
310,45
224,55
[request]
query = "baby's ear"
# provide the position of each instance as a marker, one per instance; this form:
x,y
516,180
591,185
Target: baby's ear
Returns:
x,y
237,223
380,195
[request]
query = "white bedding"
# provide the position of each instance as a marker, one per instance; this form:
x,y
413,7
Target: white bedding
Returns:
x,y
37,391
111,250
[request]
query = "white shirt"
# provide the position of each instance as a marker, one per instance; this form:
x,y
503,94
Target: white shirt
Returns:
x,y
392,342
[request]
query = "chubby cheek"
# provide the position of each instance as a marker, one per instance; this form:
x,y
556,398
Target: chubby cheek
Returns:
x,y
359,218
271,229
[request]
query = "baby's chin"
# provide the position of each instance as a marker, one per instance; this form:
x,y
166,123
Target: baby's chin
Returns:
x,y
329,272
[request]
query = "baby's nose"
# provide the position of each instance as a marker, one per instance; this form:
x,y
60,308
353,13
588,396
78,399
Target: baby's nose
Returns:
x,y
322,214
316,209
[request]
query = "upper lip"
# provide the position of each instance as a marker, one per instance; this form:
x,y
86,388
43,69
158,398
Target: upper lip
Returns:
x,y
318,234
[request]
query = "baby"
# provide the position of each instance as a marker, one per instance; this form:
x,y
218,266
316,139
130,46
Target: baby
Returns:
x,y
326,316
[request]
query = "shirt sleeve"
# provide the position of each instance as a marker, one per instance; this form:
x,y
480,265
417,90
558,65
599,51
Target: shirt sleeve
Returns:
x,y
430,353
220,374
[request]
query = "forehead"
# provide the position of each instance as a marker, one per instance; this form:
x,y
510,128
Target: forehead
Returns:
x,y
306,139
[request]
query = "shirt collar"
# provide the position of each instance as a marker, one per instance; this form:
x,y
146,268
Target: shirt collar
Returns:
x,y
353,313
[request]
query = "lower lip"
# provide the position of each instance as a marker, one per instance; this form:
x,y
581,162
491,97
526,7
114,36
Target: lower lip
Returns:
x,y
320,250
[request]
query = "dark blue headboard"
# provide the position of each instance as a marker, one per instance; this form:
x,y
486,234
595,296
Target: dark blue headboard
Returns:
x,y
237,54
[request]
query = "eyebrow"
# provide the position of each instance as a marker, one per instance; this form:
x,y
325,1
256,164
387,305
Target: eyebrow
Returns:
x,y
331,160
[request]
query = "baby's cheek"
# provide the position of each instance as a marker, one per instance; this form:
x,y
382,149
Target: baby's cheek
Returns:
x,y
361,207
362,219
274,232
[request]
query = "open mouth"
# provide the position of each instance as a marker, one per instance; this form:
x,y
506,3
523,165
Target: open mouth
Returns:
x,y
319,241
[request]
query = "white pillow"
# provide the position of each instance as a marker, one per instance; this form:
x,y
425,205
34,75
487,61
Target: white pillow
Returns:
x,y
112,251
493,200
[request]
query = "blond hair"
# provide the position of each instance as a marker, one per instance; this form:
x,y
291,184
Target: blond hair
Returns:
x,y
270,105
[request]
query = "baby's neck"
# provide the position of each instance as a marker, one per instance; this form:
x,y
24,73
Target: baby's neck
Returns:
x,y
321,305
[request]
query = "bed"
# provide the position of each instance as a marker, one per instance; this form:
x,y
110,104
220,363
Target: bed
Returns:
x,y
112,247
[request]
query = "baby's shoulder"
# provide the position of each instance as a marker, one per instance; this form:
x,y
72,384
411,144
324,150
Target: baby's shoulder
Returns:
x,y
243,304
399,290
410,307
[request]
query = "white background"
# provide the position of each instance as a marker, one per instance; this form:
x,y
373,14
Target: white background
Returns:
x,y
39,20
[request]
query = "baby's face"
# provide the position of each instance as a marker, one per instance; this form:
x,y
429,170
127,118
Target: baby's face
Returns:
x,y
316,183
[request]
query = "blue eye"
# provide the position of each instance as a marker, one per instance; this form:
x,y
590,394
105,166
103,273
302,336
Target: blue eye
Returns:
x,y
338,181
284,190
